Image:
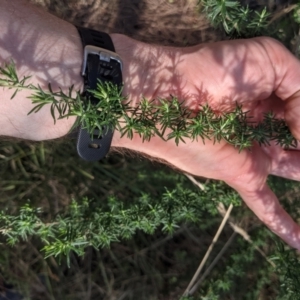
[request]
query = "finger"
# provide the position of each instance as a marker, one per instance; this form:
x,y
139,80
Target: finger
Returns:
x,y
266,206
292,114
284,163
286,68
286,81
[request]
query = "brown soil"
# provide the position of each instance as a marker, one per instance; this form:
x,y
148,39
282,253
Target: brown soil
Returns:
x,y
166,22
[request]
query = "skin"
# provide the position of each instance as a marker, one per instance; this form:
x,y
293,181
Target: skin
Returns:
x,y
260,74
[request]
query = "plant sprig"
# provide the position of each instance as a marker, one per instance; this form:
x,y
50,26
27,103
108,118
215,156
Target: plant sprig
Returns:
x,y
167,118
85,223
287,267
235,19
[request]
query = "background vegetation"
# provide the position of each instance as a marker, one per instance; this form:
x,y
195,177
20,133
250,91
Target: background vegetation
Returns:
x,y
151,225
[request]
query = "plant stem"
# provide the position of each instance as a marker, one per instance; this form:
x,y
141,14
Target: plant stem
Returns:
x,y
209,250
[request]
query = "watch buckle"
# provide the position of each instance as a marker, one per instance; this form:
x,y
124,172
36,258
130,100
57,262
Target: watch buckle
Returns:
x,y
104,55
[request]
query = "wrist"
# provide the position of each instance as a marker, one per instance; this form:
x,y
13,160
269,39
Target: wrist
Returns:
x,y
49,50
149,71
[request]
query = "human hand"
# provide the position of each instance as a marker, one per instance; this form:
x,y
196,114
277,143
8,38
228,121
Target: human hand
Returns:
x,y
259,73
262,76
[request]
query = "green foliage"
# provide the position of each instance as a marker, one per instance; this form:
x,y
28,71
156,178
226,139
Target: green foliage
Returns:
x,y
296,14
86,224
287,266
138,204
151,118
236,20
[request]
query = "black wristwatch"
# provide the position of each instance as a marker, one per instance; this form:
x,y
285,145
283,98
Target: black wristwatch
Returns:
x,y
100,62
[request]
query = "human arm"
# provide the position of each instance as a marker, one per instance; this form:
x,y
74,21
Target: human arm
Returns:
x,y
255,73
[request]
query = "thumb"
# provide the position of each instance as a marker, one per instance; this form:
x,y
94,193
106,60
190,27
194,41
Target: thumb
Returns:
x,y
292,114
264,203
287,81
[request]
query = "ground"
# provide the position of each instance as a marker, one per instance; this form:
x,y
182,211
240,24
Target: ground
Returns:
x,y
166,22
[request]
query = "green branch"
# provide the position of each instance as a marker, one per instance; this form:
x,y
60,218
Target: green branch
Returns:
x,y
168,119
235,19
89,223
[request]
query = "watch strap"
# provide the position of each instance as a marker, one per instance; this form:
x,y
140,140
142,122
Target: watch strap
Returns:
x,y
95,38
95,147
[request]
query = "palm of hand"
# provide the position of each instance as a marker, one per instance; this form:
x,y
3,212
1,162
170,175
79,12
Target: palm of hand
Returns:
x,y
257,74
262,76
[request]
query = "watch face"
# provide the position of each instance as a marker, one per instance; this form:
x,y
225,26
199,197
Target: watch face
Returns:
x,y
110,71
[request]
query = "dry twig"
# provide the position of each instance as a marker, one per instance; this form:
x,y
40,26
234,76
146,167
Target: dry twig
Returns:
x,y
209,250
